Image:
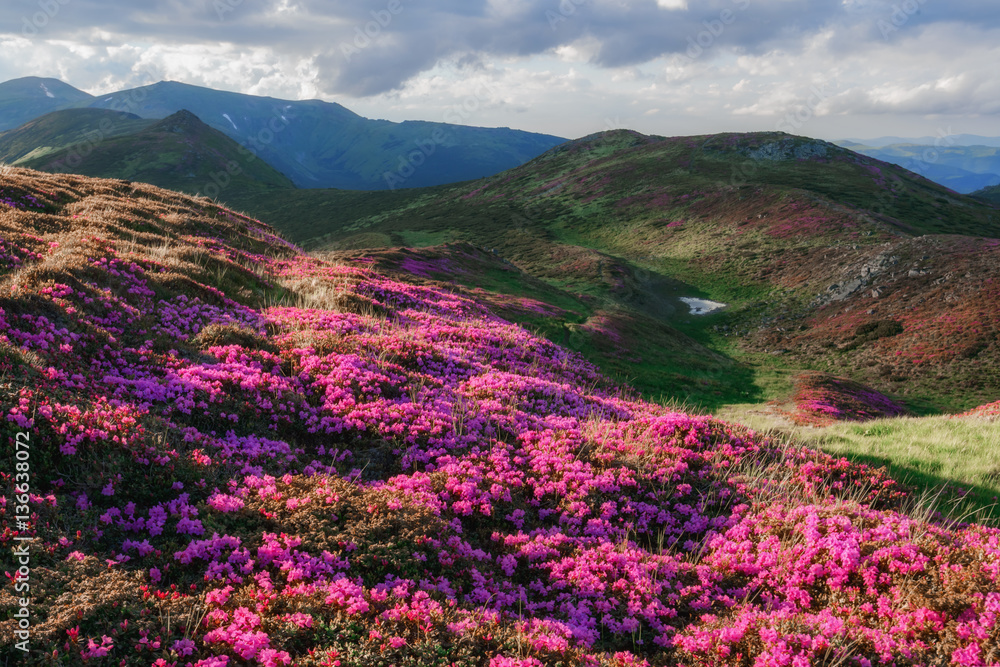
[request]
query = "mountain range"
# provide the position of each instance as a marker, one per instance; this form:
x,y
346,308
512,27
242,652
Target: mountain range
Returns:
x,y
313,143
943,139
469,423
807,244
965,163
319,144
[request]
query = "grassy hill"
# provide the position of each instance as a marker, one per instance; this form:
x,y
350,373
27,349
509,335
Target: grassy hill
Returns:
x,y
179,152
238,453
991,195
810,245
82,129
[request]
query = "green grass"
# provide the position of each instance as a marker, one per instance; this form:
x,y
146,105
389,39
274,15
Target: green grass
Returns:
x,y
990,195
932,454
54,132
423,239
628,224
179,153
323,218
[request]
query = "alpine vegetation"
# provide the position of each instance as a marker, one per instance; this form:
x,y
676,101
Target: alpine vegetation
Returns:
x,y
241,454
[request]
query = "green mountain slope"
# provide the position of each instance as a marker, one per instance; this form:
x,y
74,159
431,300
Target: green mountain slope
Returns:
x,y
77,129
322,144
991,194
28,98
622,175
316,143
179,152
810,245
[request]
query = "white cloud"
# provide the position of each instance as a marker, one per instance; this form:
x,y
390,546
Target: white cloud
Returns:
x,y
606,59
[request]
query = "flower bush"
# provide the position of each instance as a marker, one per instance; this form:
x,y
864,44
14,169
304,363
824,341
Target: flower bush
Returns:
x,y
823,399
988,411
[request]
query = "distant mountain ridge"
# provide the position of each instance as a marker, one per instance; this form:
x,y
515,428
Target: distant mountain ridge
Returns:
x,y
965,163
939,140
315,143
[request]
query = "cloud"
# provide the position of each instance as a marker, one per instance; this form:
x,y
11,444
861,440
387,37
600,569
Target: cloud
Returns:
x,y
366,47
568,64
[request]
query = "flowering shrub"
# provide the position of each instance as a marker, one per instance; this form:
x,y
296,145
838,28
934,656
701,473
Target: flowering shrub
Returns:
x,y
823,399
339,468
988,411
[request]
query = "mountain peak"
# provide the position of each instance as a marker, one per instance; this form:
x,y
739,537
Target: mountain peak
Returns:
x,y
34,81
179,152
27,98
42,87
176,85
770,146
182,121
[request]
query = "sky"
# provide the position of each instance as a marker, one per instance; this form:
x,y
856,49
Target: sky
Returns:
x,y
830,69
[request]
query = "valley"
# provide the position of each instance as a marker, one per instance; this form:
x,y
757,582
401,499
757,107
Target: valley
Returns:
x,y
809,245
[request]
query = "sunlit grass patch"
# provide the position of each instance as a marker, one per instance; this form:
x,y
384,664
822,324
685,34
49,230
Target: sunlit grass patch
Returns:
x,y
954,460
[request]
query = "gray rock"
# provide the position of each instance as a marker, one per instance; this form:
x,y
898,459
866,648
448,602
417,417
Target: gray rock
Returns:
x,y
788,149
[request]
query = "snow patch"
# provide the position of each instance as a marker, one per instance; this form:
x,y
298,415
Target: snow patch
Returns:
x,y
47,93
702,306
226,116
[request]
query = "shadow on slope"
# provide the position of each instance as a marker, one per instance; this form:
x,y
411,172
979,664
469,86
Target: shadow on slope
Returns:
x,y
630,336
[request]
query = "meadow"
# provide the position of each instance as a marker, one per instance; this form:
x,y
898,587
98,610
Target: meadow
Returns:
x,y
245,454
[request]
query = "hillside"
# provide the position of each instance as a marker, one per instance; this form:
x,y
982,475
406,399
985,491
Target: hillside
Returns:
x,y
991,195
80,129
25,99
241,454
179,152
827,260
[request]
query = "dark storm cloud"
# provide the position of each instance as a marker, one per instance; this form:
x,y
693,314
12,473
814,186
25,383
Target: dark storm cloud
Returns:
x,y
374,58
